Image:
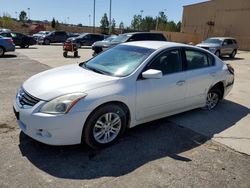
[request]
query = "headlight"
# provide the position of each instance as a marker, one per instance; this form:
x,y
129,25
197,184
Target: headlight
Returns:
x,y
63,104
213,49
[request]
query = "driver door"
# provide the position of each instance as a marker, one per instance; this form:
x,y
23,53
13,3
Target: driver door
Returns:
x,y
164,95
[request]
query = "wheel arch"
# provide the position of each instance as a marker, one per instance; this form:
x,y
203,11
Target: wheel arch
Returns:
x,y
3,48
219,85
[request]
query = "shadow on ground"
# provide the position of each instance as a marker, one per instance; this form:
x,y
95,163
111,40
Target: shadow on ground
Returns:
x,y
137,147
8,56
231,59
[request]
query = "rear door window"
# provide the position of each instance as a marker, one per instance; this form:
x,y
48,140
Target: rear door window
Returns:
x,y
196,59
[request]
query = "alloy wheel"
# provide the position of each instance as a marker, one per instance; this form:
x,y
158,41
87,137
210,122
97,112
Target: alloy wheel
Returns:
x,y
107,127
1,51
212,100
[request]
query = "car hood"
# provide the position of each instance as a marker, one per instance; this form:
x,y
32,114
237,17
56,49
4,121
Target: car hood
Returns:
x,y
102,43
64,80
71,38
208,45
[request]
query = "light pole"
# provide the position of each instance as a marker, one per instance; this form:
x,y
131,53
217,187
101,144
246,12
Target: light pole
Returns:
x,y
29,13
141,19
16,15
68,20
89,20
94,17
110,24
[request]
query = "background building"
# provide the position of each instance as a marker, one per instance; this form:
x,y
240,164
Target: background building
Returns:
x,y
219,18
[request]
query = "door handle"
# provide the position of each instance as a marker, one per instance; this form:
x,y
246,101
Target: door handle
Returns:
x,y
180,83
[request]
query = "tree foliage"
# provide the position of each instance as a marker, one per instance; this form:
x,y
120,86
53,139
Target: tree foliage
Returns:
x,y
113,24
160,23
53,23
7,22
23,16
104,24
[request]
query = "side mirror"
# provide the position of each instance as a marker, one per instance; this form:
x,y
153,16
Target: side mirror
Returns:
x,y
152,74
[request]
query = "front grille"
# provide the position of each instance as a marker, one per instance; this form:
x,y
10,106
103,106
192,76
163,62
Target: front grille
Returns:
x,y
25,99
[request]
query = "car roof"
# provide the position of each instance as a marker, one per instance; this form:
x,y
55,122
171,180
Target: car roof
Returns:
x,y
156,44
222,38
133,33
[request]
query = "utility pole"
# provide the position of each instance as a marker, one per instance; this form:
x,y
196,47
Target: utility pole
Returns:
x,y
29,13
110,24
94,18
89,20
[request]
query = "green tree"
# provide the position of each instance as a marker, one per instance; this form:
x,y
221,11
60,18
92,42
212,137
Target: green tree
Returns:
x,y
178,26
148,23
57,24
121,26
104,24
113,24
136,22
53,23
7,22
23,16
161,21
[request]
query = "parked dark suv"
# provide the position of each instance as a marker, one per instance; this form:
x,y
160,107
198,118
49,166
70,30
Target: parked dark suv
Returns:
x,y
53,37
127,37
86,39
19,39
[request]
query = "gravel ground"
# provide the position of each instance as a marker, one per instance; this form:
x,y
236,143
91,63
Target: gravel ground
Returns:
x,y
156,154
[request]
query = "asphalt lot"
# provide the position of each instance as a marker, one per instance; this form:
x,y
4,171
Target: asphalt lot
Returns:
x,y
177,151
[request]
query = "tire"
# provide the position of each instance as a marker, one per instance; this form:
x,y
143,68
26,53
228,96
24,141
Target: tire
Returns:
x,y
78,45
217,53
232,55
2,51
76,54
47,42
22,46
65,54
99,132
213,98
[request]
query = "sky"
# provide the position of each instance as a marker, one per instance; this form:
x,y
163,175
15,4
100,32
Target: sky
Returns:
x,y
78,11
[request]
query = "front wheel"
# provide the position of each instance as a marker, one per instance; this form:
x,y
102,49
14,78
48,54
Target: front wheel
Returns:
x,y
213,98
1,51
232,55
104,126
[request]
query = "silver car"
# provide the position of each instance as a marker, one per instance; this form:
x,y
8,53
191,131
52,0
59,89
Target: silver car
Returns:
x,y
220,46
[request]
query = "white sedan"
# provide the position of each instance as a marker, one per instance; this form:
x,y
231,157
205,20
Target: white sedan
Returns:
x,y
130,84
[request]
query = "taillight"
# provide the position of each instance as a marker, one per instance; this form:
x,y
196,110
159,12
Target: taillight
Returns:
x,y
230,68
9,41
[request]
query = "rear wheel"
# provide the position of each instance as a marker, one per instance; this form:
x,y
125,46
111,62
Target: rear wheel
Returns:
x,y
65,54
213,98
46,41
232,55
104,126
76,54
1,51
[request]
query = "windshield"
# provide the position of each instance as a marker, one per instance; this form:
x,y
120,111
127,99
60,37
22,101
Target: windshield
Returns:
x,y
121,38
118,61
109,39
82,35
214,41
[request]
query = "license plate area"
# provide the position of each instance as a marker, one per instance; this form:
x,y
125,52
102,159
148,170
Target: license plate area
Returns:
x,y
16,113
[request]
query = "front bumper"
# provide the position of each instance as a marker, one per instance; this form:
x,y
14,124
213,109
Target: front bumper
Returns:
x,y
51,129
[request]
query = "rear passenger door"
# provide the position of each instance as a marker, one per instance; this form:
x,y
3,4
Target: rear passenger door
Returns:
x,y
200,75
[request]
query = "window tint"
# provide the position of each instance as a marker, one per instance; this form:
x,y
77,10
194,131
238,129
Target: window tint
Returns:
x,y
229,41
196,59
168,62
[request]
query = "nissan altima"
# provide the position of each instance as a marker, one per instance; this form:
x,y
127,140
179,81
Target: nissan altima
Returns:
x,y
133,83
